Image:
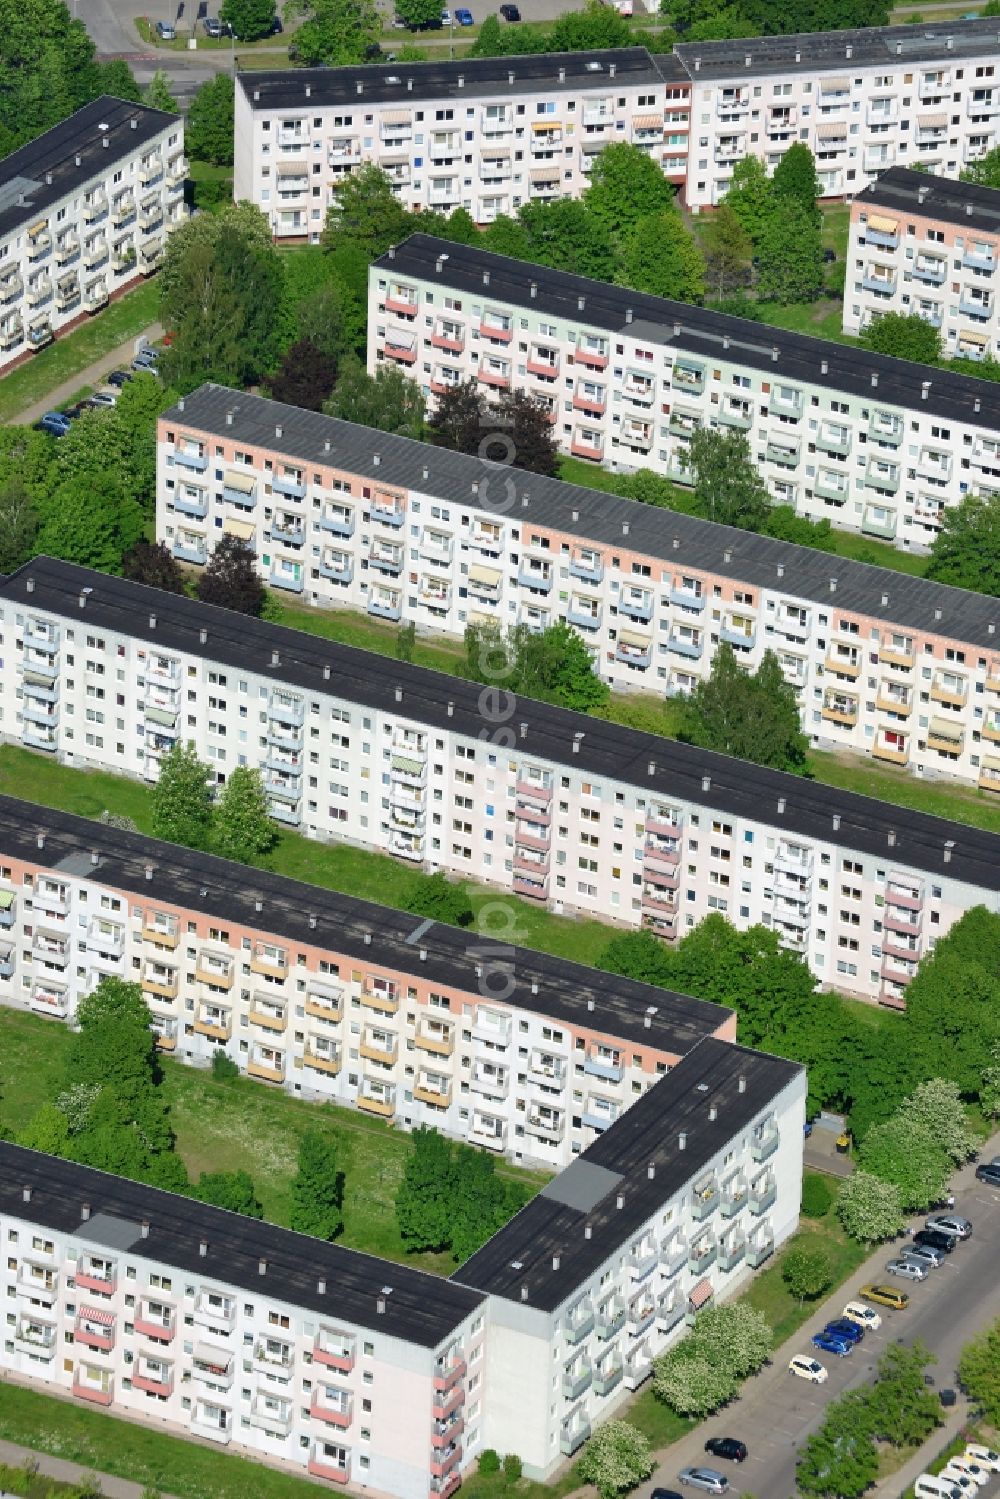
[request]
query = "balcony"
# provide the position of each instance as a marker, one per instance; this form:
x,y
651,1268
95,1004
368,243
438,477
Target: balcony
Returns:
x,y
763,1194
704,1199
573,1435
759,1250
585,445
213,1022
322,1055
100,1392
48,998
379,1101
96,1275
946,737
608,1377
157,1322
334,1411
95,1328
611,1318
215,968
701,1255
36,1339
764,1143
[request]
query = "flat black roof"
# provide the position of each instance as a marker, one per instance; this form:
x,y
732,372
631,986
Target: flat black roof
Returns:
x,y
466,79
616,1169
531,981
617,310
421,1308
679,541
921,193
73,154
659,768
844,52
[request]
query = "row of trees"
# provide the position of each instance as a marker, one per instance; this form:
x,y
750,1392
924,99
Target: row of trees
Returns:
x,y
898,1409
236,825
949,1032
451,1197
706,1368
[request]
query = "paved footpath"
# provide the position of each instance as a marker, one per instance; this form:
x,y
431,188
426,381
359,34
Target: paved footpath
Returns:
x,y
92,375
56,1467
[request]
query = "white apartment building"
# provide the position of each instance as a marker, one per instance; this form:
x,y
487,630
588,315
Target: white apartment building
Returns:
x,y
929,246
84,213
560,808
332,998
863,101
361,1372
484,134
874,445
344,516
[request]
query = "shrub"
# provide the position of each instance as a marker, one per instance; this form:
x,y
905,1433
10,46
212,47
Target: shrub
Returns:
x,y
512,1467
817,1197
223,1066
489,1462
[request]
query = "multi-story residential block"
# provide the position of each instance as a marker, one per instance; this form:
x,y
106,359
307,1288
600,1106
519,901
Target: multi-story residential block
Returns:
x,y
333,998
930,246
345,516
862,101
358,1371
490,134
552,805
874,445
483,134
84,211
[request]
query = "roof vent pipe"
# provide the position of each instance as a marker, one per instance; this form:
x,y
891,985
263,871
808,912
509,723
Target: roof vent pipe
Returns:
x,y
651,1171
203,635
706,783
29,585
588,1232
203,1247
25,1194
85,1211
713,1114
95,857
152,621
890,837
144,1228
556,1262
781,805
380,1306
262,1267
682,1140
40,840
948,850
619,1202
874,379
326,672
824,366
321,1287
581,303
628,314
925,386
149,871
743,1085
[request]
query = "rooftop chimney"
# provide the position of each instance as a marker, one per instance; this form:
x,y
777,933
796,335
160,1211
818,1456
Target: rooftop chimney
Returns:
x,y
556,1262
29,585
874,379
706,783
713,1113
25,1194
321,1287
380,1306
890,838
149,871
486,278
203,1247
85,1211
262,1267
781,805
399,694
682,1140
144,1228
581,303
836,822
742,1085
534,290
925,386
275,658
651,1171
949,845
824,366
203,635
628,314
229,418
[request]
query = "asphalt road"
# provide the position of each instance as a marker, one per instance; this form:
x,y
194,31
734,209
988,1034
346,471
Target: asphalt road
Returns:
x,y
777,1411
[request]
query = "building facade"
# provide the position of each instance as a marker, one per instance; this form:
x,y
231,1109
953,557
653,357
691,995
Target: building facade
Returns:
x,y
560,808
84,213
342,516
483,134
490,134
362,1372
929,246
332,998
876,446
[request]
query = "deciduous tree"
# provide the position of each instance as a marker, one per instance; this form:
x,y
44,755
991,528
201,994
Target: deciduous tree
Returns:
x,y
752,715
616,1459
366,214
986,171
626,185
335,33
157,94
691,1383
907,1154
637,955
903,335
795,178
423,1201
979,1371
870,1210
728,488
208,130
152,563
305,377
232,1190
728,251
902,1409
230,579
750,197
789,254
597,27
953,1004
18,524
966,550
481,1201
250,19
439,899
242,828
318,1188
418,13
807,1272
662,258
936,1107
387,400
552,665
181,799
840,1458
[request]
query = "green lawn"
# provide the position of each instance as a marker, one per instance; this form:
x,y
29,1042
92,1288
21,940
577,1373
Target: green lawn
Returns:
x,y
69,356
29,1485
959,803
821,319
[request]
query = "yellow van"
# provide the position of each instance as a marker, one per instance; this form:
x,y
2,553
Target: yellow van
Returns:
x,y
885,1296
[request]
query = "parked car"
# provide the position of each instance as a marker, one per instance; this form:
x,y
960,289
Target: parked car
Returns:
x,y
510,12
949,1223
976,1471
867,1316
276,27
730,1448
830,1343
77,409
213,26
146,359
464,16
907,1269
885,1296
709,1480
924,1254
103,398
666,1494
808,1368
166,31
936,1239
986,1457
120,378
446,17
989,1174
56,423
846,1327
962,1481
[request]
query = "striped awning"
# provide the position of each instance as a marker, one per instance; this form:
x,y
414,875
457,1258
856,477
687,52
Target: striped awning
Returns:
x,y
545,174
829,130
397,117
991,762
484,575
98,1314
883,225
234,479
215,1358
700,1294
629,637
932,122
834,85
968,337
648,122
37,229
539,126
946,728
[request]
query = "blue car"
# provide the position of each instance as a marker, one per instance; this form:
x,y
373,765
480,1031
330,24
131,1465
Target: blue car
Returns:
x,y
850,1332
829,1343
55,422
464,17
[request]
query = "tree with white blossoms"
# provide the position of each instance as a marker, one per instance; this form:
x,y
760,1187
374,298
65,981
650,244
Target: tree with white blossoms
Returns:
x,y
735,1336
692,1384
726,1344
989,1092
937,1107
869,1210
616,1459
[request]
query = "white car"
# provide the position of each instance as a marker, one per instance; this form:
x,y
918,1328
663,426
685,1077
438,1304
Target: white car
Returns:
x,y
808,1368
962,1481
866,1316
969,1466
986,1457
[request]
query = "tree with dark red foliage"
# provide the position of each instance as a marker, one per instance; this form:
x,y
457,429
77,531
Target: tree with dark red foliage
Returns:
x,y
305,376
230,580
151,563
514,430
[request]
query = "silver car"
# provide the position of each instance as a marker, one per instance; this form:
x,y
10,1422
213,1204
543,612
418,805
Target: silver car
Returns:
x,y
907,1270
709,1480
949,1223
924,1254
